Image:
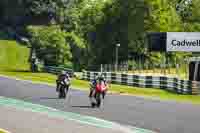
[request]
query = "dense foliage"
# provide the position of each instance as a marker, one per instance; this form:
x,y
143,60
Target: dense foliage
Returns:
x,y
87,31
50,45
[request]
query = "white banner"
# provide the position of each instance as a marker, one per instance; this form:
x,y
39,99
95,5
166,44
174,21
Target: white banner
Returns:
x,y
183,41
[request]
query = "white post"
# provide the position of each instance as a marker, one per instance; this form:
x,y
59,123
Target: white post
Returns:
x,y
196,70
101,68
116,62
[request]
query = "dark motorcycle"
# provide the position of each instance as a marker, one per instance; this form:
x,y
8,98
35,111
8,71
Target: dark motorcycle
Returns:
x,y
62,93
63,89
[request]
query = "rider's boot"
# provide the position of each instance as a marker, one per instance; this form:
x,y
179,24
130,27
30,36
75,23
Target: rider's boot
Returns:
x,y
90,95
103,94
57,88
67,88
57,85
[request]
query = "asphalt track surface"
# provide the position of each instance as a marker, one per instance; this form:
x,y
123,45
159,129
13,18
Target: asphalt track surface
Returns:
x,y
156,115
21,121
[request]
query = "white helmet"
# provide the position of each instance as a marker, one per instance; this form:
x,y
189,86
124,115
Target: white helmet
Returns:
x,y
67,74
63,72
96,76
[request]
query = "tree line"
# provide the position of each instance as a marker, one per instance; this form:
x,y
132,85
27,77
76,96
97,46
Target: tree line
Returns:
x,y
83,33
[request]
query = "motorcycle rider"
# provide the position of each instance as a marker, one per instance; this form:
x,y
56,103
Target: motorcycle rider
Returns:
x,y
93,86
100,79
103,82
63,79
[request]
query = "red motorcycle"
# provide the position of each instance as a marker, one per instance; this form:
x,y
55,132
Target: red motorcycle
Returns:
x,y
98,94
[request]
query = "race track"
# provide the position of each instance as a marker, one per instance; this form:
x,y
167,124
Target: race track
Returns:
x,y
160,116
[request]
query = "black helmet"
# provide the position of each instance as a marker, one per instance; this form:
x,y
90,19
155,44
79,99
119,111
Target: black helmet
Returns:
x,y
101,78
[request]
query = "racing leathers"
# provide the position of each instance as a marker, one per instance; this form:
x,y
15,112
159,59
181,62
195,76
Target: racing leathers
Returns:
x,y
63,80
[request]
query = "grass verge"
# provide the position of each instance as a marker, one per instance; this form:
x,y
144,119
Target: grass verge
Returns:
x,y
13,55
3,131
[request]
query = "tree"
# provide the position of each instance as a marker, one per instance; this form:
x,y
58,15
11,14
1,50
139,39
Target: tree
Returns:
x,y
90,29
50,44
103,24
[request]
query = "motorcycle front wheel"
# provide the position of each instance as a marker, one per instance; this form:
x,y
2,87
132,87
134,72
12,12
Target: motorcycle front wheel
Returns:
x,y
62,93
98,99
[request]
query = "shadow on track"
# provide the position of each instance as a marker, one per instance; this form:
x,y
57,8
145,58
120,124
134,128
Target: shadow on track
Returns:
x,y
47,98
40,98
81,106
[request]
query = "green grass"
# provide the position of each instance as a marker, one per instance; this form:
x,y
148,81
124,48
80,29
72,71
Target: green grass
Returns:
x,y
1,131
14,63
13,56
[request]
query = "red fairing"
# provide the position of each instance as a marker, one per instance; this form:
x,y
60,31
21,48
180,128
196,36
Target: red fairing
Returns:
x,y
101,87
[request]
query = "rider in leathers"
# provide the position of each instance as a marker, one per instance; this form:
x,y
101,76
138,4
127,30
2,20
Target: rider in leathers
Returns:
x,y
63,79
93,86
101,79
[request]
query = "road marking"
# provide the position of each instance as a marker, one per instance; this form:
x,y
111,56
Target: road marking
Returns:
x,y
92,121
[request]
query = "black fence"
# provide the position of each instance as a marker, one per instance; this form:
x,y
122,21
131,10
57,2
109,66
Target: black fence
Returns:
x,y
171,84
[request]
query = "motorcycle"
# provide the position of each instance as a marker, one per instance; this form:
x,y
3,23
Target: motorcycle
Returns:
x,y
63,89
96,100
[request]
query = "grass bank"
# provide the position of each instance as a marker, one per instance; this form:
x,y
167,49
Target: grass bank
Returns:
x,y
13,57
